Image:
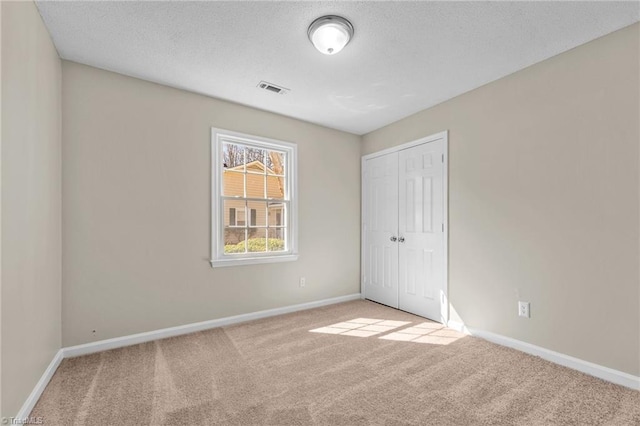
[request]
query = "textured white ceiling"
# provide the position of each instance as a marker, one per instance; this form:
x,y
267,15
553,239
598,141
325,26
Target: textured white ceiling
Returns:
x,y
404,57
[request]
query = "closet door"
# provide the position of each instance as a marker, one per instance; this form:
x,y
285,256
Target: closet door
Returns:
x,y
421,230
380,227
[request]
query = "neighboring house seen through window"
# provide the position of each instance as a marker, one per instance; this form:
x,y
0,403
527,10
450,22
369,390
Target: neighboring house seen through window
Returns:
x,y
254,203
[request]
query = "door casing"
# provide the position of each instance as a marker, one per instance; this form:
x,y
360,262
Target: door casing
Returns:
x,y
444,136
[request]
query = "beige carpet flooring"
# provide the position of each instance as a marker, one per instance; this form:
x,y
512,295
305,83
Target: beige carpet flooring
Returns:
x,y
364,364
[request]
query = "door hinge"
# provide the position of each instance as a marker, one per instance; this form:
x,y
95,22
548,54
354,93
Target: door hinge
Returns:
x,y
443,158
443,227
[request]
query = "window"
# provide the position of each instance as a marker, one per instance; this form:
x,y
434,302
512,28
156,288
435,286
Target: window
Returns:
x,y
253,199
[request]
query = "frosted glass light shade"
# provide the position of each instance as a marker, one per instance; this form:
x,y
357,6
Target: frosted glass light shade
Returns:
x,y
330,34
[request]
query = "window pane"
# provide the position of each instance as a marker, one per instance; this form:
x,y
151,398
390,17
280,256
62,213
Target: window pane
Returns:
x,y
234,213
255,186
257,213
277,214
255,160
275,187
241,217
275,162
234,240
277,239
233,184
233,156
257,241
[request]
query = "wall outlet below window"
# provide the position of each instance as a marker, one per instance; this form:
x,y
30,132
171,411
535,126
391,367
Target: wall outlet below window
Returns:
x,y
523,309
303,281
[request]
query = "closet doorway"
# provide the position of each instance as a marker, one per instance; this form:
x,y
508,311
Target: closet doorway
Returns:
x,y
404,227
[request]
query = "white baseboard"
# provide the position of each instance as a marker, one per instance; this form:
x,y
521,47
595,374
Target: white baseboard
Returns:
x,y
458,326
605,373
39,388
599,371
134,339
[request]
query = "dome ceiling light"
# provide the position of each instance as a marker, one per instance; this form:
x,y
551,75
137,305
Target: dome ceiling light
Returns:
x,y
330,34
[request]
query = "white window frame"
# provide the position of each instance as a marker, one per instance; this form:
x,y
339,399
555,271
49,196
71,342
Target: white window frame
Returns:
x,y
218,257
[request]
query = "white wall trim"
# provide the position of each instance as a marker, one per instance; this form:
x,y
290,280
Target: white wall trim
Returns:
x,y
431,138
220,263
605,373
444,299
599,371
134,339
40,386
458,326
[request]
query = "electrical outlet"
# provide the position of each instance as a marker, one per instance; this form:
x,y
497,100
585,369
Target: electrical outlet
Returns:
x,y
523,309
303,281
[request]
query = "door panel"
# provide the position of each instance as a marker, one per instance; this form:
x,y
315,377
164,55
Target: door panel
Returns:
x,y
381,223
421,219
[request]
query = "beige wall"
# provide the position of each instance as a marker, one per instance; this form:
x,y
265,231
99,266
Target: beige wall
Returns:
x,y
136,209
544,190
544,205
31,211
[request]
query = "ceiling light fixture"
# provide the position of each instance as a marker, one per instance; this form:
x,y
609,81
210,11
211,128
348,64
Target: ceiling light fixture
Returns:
x,y
330,34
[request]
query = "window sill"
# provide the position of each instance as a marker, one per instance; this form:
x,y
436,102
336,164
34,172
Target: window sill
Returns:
x,y
218,263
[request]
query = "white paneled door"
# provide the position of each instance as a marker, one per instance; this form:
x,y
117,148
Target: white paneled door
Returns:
x,y
381,249
404,224
421,230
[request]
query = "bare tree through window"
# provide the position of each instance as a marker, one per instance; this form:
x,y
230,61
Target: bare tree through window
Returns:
x,y
234,155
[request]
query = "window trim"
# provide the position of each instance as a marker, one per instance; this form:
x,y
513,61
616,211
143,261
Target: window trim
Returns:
x,y
218,257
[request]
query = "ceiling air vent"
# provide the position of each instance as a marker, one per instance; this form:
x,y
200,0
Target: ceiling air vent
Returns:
x,y
272,88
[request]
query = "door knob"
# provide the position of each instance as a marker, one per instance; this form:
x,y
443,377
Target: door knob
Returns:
x,y
401,239
394,239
